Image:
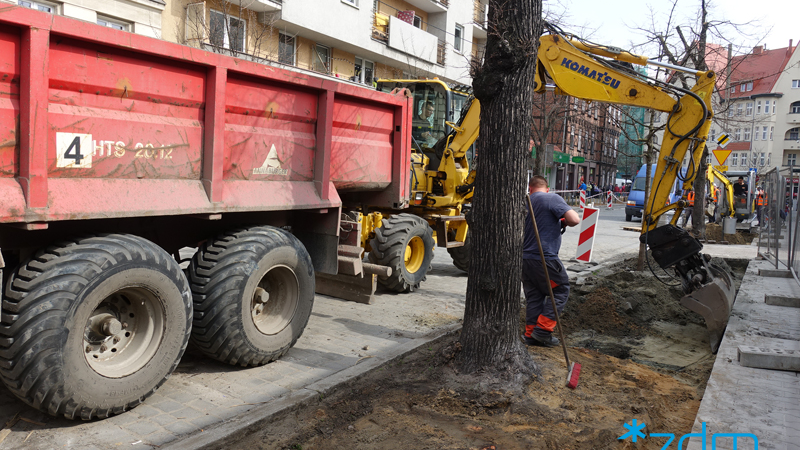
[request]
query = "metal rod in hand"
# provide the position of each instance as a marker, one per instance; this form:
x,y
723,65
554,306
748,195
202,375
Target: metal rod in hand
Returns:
x,y
547,279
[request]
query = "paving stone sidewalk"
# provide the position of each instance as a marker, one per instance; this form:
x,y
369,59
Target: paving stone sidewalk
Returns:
x,y
741,399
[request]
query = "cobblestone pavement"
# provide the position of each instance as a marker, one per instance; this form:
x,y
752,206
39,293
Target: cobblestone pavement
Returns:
x,y
343,340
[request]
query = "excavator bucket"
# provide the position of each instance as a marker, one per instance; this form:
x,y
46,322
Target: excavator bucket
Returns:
x,y
714,302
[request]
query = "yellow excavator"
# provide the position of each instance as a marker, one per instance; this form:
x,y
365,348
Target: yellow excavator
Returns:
x,y
601,73
725,205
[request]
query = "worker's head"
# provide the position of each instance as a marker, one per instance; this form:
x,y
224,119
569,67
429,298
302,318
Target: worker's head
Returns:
x,y
538,183
740,180
427,109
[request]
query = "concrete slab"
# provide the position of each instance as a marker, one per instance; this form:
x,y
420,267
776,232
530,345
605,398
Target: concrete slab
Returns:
x,y
780,300
769,358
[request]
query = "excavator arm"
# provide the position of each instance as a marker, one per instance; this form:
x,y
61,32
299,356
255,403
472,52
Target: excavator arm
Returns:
x,y
577,69
714,173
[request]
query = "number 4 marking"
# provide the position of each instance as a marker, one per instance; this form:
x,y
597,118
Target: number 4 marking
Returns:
x,y
69,150
75,145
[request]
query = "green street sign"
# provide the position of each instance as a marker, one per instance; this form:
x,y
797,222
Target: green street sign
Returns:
x,y
560,157
578,159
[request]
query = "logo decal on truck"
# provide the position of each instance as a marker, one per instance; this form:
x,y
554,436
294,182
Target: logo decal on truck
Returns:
x,y
272,165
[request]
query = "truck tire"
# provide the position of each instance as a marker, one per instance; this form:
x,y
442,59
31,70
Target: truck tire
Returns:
x,y
628,217
405,243
461,255
253,291
93,326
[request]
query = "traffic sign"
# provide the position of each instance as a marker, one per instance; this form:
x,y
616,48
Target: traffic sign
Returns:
x,y
721,155
721,168
723,140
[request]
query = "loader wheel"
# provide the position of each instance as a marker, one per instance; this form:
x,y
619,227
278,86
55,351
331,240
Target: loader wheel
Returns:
x,y
93,326
253,291
461,255
405,243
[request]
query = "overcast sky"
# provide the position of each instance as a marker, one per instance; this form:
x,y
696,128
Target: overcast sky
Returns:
x,y
613,20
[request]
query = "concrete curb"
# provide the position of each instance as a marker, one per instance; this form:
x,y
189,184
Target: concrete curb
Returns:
x,y
251,421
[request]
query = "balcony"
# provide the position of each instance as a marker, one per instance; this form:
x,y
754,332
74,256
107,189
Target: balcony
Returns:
x,y
430,6
264,6
793,118
407,38
480,17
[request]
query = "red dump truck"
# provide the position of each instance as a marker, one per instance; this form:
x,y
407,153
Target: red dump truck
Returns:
x,y
118,150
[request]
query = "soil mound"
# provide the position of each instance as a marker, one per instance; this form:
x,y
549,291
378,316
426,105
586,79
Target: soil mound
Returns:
x,y
714,233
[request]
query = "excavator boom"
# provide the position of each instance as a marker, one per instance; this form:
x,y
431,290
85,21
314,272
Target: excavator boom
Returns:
x,y
576,69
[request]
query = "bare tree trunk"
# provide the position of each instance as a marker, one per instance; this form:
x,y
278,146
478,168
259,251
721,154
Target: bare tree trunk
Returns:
x,y
504,85
698,215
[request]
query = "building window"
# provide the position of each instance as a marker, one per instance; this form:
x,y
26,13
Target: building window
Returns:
x,y
763,159
351,2
458,39
741,87
226,31
739,109
749,108
791,159
793,134
755,134
764,133
322,59
795,83
737,135
774,105
795,108
734,159
766,106
112,23
712,135
286,50
39,6
363,71
733,90
771,130
747,134
758,107
749,86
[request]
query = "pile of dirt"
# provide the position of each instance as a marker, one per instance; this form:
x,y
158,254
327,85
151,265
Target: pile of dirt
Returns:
x,y
714,233
644,357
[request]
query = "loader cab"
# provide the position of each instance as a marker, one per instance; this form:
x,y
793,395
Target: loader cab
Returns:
x,y
435,103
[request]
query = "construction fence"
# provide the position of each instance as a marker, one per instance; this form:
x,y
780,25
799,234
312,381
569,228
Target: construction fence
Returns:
x,y
778,216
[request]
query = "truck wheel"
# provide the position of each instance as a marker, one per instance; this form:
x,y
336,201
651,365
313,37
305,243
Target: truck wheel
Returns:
x,y
628,217
461,255
405,243
253,292
93,326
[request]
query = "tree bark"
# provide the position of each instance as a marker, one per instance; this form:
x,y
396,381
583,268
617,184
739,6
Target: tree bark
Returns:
x,y
490,338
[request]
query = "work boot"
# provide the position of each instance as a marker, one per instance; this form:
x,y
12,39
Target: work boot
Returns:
x,y
549,341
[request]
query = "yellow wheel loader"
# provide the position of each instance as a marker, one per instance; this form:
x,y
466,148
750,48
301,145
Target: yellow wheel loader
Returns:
x,y
600,73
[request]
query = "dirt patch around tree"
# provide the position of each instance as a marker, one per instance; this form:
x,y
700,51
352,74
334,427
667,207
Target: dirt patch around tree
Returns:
x,y
644,357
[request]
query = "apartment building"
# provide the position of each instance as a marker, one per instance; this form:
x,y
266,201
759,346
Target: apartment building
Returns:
x,y
581,139
353,40
759,109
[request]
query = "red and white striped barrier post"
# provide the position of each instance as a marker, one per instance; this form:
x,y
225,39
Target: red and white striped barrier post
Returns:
x,y
610,199
583,199
586,238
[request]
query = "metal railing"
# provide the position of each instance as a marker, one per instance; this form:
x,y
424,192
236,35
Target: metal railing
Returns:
x,y
778,217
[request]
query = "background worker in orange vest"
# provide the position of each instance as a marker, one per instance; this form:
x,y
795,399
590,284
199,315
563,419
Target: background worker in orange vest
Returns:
x,y
688,211
761,200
